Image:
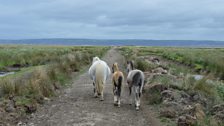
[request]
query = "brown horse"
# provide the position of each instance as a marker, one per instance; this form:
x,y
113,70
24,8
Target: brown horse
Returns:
x,y
117,79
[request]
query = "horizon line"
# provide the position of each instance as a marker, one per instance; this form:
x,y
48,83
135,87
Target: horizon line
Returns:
x,y
113,39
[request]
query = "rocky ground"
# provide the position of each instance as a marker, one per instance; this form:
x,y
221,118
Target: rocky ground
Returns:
x,y
181,107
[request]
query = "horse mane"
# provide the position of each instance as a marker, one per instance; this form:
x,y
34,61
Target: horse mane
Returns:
x,y
130,66
116,73
115,67
95,59
131,63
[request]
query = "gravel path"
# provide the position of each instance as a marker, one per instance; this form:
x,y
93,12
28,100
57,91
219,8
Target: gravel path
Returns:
x,y
76,106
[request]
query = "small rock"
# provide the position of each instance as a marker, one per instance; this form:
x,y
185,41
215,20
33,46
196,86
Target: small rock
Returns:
x,y
184,101
56,86
1,92
199,113
152,58
217,108
1,112
184,94
196,97
168,112
40,99
21,124
30,108
157,87
167,94
171,104
159,70
10,107
219,115
47,99
182,121
188,109
186,120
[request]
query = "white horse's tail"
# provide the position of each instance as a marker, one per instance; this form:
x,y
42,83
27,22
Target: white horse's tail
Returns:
x,y
99,78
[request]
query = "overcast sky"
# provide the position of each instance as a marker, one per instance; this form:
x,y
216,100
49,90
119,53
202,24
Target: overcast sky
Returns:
x,y
112,19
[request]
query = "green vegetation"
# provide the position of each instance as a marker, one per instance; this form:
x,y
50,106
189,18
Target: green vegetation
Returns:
x,y
209,60
197,73
39,55
43,70
143,65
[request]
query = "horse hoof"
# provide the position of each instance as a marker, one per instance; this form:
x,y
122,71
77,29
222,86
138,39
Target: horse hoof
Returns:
x,y
101,99
119,106
137,108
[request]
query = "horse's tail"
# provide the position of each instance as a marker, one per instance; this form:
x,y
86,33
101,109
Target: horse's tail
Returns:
x,y
99,79
142,83
120,79
100,86
140,87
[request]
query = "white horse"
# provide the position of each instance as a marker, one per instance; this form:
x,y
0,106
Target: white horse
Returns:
x,y
99,72
135,82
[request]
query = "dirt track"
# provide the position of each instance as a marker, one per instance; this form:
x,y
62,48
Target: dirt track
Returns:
x,y
76,106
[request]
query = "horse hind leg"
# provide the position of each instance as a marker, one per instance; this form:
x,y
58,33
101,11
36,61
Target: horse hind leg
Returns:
x,y
115,100
115,93
116,97
119,90
130,96
102,97
101,91
95,90
137,98
119,101
137,102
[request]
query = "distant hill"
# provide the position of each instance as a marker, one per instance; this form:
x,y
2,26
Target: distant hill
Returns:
x,y
114,42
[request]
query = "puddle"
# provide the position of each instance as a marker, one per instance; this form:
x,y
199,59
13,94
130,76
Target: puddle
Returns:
x,y
198,77
2,74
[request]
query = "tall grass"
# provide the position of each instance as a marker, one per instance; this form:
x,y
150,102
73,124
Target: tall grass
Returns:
x,y
39,55
32,84
30,55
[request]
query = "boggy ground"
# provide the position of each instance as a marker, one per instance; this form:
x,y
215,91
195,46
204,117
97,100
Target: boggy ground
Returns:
x,y
76,105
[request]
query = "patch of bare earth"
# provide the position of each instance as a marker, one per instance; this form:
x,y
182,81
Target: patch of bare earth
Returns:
x,y
76,106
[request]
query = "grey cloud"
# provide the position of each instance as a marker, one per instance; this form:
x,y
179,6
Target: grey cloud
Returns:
x,y
154,19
